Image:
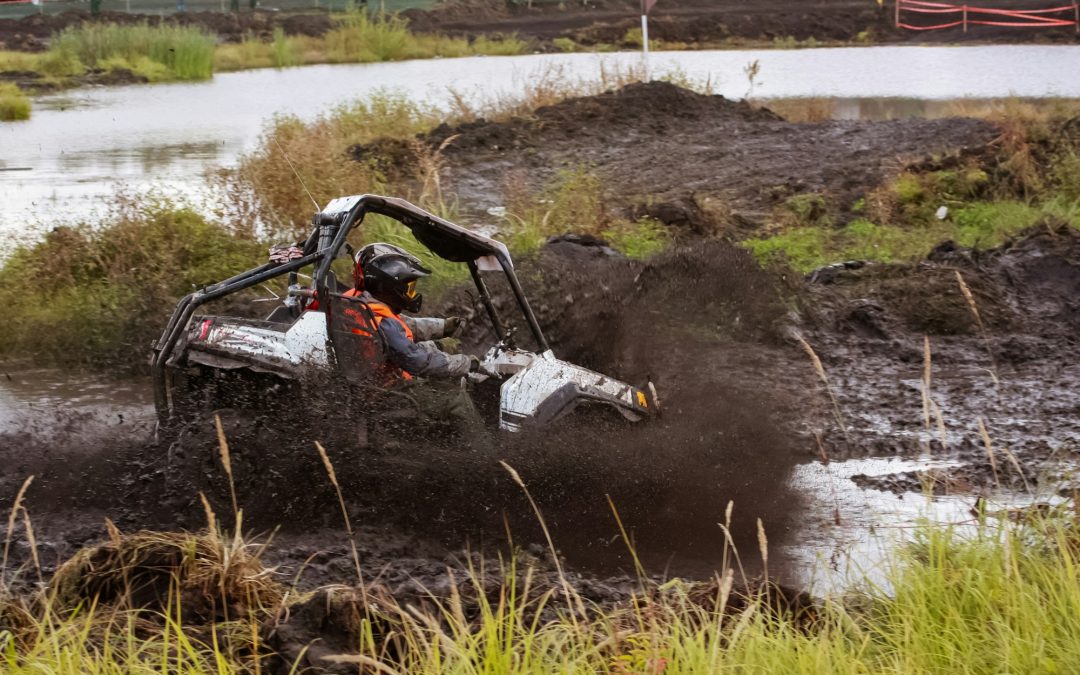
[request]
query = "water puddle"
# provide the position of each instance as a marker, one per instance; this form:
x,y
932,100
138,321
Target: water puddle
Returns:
x,y
850,534
48,402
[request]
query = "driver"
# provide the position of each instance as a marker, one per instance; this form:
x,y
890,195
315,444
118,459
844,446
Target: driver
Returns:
x,y
384,278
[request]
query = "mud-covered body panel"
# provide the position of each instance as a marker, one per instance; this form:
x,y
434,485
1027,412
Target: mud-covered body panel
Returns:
x,y
223,342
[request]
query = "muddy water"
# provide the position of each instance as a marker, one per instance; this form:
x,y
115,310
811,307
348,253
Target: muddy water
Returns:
x,y
851,533
44,402
80,145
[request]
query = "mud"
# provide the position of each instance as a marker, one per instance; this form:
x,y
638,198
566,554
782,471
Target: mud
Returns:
x,y
694,23
711,22
701,163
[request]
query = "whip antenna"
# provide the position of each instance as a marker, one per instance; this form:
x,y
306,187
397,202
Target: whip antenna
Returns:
x,y
297,174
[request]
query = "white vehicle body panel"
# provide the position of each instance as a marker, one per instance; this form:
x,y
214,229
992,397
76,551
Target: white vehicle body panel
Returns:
x,y
302,345
534,379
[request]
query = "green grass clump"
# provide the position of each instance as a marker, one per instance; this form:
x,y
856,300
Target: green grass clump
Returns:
x,y
187,53
285,51
14,105
979,225
993,597
100,295
318,152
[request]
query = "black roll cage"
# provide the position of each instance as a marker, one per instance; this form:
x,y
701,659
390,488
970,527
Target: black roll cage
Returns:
x,y
331,227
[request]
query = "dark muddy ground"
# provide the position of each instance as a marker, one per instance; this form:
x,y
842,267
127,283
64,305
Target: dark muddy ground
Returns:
x,y
701,23
701,164
723,438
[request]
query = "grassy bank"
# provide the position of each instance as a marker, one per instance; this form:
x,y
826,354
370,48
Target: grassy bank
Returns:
x,y
167,52
997,596
100,295
14,105
1029,178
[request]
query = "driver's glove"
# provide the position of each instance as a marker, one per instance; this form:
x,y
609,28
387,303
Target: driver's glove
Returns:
x,y
453,326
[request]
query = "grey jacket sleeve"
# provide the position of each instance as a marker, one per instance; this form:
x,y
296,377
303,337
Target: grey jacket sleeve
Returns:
x,y
425,328
416,360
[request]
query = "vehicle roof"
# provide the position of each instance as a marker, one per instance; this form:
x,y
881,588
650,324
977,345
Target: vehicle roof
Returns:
x,y
445,239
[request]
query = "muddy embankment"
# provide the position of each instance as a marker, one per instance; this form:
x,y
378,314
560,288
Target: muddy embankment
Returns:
x,y
716,332
701,23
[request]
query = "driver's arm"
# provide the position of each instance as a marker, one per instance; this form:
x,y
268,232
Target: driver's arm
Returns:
x,y
416,360
425,328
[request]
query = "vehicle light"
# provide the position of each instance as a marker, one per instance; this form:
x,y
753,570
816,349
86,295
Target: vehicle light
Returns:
x,y
642,401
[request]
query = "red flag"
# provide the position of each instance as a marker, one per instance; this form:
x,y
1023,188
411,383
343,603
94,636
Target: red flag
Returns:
x,y
646,5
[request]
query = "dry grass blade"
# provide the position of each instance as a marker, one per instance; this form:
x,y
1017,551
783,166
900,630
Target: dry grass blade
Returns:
x,y
572,598
113,531
1016,467
361,660
820,370
32,540
211,519
226,461
344,511
989,450
969,297
626,540
12,518
940,419
926,382
763,547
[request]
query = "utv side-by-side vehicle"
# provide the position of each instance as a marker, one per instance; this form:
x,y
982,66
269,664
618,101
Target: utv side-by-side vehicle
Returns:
x,y
295,342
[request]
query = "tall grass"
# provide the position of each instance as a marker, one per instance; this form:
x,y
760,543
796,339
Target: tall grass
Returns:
x,y
186,53
99,295
996,597
358,37
14,105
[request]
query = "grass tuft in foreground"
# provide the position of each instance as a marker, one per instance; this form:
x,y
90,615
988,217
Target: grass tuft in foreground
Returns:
x,y
14,104
997,595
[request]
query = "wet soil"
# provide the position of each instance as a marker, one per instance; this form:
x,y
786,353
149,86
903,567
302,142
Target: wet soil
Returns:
x,y
701,163
694,23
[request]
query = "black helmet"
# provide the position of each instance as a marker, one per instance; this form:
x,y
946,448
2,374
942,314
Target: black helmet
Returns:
x,y
390,275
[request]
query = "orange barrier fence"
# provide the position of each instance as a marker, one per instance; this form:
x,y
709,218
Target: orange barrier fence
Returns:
x,y
969,15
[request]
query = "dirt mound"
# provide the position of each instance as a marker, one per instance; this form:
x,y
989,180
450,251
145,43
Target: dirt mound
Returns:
x,y
1033,280
695,161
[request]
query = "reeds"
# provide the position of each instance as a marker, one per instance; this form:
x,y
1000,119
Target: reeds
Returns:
x,y
969,298
14,104
329,466
820,370
186,52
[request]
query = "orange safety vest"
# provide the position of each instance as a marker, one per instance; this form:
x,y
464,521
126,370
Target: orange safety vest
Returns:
x,y
361,325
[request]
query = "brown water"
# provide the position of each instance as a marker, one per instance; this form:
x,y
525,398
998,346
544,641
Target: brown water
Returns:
x,y
44,402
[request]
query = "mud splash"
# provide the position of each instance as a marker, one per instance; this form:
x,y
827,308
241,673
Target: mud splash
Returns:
x,y
686,320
